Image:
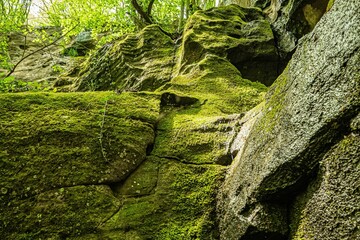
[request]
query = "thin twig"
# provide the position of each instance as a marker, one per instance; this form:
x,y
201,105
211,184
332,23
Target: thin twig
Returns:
x,y
38,50
101,132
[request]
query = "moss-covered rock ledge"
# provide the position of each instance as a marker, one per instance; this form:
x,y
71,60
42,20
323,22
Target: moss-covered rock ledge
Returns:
x,y
60,153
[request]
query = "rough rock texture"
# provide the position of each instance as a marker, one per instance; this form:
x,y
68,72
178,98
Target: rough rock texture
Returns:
x,y
290,19
181,135
60,151
43,66
142,61
81,44
294,19
240,35
330,207
203,133
307,110
149,165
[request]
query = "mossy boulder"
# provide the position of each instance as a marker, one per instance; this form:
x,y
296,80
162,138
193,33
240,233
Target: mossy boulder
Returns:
x,y
240,35
140,165
203,132
307,110
166,199
149,165
60,151
142,61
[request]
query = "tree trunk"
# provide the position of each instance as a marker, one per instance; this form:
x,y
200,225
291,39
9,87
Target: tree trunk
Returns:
x,y
141,11
182,15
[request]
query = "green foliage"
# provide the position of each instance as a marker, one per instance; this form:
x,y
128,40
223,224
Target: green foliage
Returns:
x,y
106,19
13,15
72,52
10,84
117,16
57,68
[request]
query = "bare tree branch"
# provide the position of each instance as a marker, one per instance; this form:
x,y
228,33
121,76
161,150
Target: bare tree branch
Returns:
x,y
141,12
38,50
150,6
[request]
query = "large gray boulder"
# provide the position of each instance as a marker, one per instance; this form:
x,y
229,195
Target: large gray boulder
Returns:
x,y
290,19
330,207
307,110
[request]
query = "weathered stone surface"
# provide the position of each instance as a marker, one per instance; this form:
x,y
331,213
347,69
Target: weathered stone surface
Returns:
x,y
307,110
240,35
171,193
330,207
293,19
55,149
142,61
81,45
43,66
290,19
203,132
145,165
179,206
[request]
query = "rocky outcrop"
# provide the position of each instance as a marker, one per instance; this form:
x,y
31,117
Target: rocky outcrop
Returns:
x,y
39,60
140,165
61,153
142,61
151,164
290,19
241,36
307,110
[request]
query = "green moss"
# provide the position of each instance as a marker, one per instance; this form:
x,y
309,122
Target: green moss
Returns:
x,y
50,141
242,36
330,4
60,213
141,61
218,84
196,133
273,106
181,206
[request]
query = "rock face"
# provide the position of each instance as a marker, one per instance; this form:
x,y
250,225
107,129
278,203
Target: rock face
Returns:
x,y
142,61
139,165
290,19
307,110
204,152
61,154
329,208
242,36
43,64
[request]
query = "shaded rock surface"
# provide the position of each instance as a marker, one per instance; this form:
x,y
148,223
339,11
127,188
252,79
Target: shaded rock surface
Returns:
x,y
290,19
150,165
307,110
329,208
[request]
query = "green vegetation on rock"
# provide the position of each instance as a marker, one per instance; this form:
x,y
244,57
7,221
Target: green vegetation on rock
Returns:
x,y
142,61
179,206
68,141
